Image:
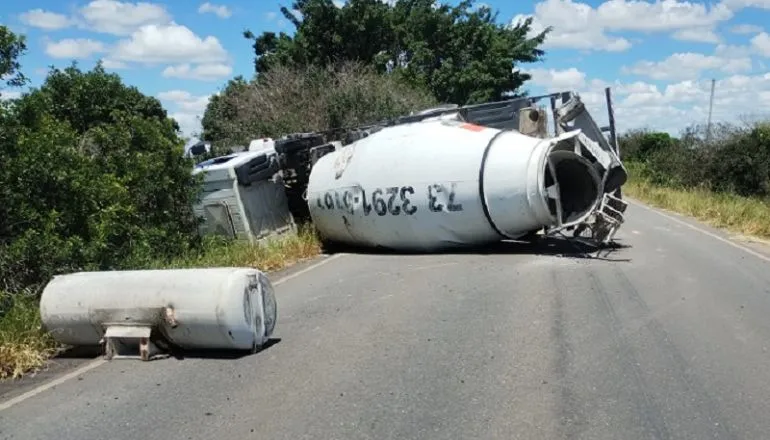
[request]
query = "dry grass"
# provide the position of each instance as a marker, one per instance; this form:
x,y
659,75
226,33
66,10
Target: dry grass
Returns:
x,y
742,215
272,254
25,346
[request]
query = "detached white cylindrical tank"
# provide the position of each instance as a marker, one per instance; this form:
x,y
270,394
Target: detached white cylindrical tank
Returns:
x,y
212,308
443,183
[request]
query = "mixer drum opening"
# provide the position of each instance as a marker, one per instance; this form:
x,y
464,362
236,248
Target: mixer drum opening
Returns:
x,y
578,186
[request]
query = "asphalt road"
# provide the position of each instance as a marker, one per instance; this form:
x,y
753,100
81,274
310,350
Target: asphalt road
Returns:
x,y
665,338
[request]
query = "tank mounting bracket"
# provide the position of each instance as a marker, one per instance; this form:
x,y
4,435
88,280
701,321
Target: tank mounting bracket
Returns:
x,y
130,342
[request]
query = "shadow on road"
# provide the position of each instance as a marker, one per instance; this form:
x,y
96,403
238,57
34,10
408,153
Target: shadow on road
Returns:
x,y
220,354
548,246
85,352
81,352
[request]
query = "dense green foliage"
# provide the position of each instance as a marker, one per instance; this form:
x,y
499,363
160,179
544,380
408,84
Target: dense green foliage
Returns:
x,y
12,46
461,54
89,99
93,177
735,159
287,100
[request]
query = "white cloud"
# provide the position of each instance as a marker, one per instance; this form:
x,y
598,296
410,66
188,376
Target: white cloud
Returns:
x,y
699,35
556,80
740,4
46,20
188,109
672,107
731,51
761,44
662,15
746,29
9,94
189,124
341,3
689,65
153,38
196,105
573,28
298,14
121,18
580,26
73,48
106,16
109,63
170,43
270,16
175,96
203,72
220,11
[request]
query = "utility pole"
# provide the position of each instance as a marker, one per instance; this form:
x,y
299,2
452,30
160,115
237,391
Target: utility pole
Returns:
x,y
711,108
611,116
613,132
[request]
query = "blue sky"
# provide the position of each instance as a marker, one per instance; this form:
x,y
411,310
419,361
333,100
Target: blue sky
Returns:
x,y
658,56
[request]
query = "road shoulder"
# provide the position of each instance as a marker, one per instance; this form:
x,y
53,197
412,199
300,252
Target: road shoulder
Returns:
x,y
754,245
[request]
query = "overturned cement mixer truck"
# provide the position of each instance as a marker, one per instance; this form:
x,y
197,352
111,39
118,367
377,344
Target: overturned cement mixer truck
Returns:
x,y
470,175
445,177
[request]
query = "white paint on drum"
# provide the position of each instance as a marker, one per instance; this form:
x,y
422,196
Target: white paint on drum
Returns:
x,y
215,308
433,184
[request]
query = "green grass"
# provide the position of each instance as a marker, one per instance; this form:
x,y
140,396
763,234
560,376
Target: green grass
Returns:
x,y
25,346
742,215
273,254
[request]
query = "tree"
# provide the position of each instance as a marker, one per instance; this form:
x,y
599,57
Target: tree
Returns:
x,y
12,47
641,144
295,99
742,163
460,53
222,122
93,178
88,99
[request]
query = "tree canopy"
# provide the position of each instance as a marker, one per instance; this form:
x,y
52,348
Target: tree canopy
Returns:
x,y
292,99
93,177
88,99
12,46
461,54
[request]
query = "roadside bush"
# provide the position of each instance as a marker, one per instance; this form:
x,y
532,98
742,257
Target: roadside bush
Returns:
x,y
639,145
92,178
679,165
286,100
742,164
734,159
